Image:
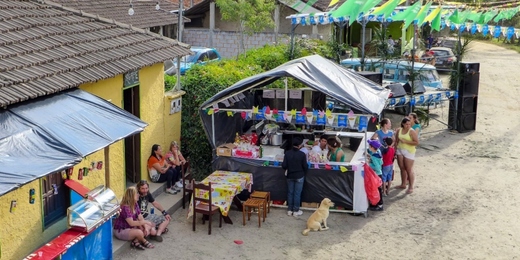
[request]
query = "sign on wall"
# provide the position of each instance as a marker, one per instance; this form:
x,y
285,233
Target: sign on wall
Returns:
x,y
131,78
175,105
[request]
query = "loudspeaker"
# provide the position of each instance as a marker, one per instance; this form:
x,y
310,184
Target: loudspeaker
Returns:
x,y
418,87
469,84
376,77
465,119
470,66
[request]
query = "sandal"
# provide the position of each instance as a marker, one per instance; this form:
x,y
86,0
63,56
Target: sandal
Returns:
x,y
157,238
147,244
165,231
136,245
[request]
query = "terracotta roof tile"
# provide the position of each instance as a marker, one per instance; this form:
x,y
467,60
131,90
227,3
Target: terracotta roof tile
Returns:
x,y
45,49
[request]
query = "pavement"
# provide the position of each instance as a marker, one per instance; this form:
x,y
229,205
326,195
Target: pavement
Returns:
x,y
170,203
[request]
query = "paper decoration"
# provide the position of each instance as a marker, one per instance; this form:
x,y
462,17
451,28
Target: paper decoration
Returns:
x,y
255,110
310,118
351,120
280,93
304,111
241,95
328,113
342,120
327,167
315,112
229,113
350,113
268,93
276,163
316,166
226,103
280,116
309,165
363,123
321,113
343,169
210,111
335,167
354,167
320,120
293,112
330,119
295,94
243,114
249,115
215,107
300,119
288,118
275,111
267,110
231,101
266,163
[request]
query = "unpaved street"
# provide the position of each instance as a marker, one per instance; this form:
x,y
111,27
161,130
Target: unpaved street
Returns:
x,y
465,205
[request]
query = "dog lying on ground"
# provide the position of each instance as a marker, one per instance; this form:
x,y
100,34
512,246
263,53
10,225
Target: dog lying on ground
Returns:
x,y
319,217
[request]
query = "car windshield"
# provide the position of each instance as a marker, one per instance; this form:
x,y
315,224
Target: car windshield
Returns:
x,y
187,59
429,75
441,53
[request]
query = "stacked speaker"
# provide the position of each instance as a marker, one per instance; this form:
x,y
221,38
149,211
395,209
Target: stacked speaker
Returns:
x,y
463,111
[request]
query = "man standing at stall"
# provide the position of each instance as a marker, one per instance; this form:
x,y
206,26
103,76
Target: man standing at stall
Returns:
x,y
161,221
295,164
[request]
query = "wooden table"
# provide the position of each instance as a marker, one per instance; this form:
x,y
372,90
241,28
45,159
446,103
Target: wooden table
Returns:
x,y
226,185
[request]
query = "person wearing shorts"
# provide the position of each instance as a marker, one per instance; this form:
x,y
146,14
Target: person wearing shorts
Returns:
x,y
407,140
388,165
160,221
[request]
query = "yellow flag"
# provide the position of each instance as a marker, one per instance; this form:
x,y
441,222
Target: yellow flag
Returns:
x,y
293,112
343,168
229,113
328,112
333,2
432,15
210,111
255,110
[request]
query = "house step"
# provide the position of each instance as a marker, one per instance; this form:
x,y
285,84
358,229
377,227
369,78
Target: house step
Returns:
x,y
169,202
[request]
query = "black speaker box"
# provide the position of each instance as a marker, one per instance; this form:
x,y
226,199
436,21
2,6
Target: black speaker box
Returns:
x,y
466,118
376,77
470,66
469,84
418,87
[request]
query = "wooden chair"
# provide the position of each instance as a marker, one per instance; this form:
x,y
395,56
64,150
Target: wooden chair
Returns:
x,y
266,196
202,205
249,207
187,189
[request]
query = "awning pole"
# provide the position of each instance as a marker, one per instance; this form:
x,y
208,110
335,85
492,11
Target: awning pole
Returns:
x,y
107,167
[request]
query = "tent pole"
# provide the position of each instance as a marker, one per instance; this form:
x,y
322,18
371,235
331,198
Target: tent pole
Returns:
x,y
364,26
213,128
286,92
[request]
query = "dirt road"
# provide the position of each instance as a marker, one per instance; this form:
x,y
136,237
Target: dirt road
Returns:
x,y
465,205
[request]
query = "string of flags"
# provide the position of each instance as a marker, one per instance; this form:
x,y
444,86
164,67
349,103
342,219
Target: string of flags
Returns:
x,y
311,165
422,99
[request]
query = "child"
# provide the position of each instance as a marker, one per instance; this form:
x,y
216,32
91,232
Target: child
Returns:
x,y
388,165
376,163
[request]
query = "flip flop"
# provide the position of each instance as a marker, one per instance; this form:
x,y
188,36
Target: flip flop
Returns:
x,y
165,231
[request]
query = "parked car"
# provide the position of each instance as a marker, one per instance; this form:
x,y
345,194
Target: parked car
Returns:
x,y
444,57
201,55
398,71
448,43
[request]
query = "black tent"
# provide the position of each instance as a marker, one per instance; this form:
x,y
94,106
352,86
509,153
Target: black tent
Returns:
x,y
314,71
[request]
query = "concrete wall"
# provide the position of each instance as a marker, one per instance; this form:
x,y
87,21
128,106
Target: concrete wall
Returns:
x,y
22,232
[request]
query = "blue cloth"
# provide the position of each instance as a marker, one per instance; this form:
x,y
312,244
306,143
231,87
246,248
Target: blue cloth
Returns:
x,y
294,193
381,136
376,161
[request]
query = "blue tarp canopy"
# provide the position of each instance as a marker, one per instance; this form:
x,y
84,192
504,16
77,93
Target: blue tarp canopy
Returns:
x,y
55,132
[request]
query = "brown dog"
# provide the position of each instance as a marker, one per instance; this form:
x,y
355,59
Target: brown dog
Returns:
x,y
318,217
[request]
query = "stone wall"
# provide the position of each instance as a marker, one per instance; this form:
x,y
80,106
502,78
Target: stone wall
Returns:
x,y
228,43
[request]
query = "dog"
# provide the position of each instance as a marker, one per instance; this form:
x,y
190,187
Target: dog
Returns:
x,y
319,217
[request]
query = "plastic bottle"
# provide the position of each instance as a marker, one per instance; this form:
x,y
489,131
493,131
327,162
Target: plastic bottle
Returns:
x,y
261,152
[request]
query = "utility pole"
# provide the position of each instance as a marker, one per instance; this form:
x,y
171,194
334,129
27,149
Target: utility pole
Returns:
x,y
179,39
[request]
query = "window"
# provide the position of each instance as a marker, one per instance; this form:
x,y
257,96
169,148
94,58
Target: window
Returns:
x,y
203,57
212,55
56,198
389,74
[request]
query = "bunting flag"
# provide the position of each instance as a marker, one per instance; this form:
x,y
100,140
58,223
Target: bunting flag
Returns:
x,y
422,13
369,5
333,2
409,14
474,16
433,14
499,17
387,8
454,17
350,8
436,22
489,15
309,3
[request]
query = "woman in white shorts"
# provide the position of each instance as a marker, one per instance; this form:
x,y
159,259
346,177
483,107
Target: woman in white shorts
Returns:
x,y
407,140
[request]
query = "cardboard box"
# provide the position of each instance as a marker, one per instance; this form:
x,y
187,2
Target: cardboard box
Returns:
x,y
310,204
225,149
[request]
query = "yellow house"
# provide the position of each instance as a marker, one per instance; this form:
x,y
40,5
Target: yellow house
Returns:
x,y
47,51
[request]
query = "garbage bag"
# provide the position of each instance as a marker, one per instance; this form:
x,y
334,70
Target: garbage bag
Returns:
x,y
372,183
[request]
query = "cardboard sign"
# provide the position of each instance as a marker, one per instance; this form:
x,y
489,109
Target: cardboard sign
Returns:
x,y
295,94
280,93
268,93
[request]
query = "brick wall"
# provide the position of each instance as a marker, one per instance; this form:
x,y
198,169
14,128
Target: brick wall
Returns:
x,y
228,43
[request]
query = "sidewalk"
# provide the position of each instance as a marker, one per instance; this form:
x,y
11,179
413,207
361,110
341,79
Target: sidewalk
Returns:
x,y
170,203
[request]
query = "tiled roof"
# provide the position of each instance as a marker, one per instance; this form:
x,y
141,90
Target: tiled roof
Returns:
x,y
145,15
45,49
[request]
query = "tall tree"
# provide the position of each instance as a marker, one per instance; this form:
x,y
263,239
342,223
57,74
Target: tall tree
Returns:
x,y
252,16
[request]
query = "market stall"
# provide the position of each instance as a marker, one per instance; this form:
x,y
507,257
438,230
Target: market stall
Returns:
x,y
250,125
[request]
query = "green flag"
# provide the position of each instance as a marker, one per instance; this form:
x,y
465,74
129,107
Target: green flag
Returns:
x,y
489,15
309,3
436,22
510,13
387,8
474,16
463,16
422,13
409,14
499,17
350,8
454,17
